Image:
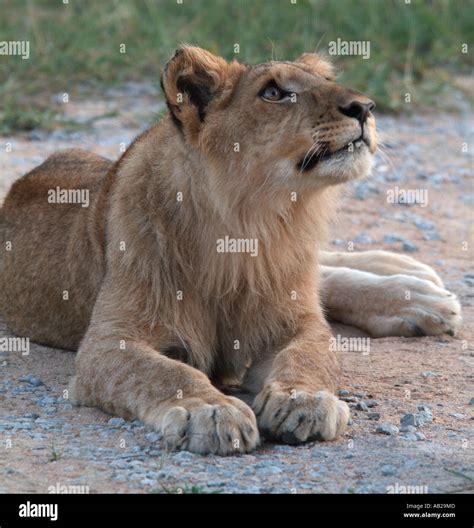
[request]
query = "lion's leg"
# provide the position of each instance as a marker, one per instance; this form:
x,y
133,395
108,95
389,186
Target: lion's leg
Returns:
x,y
166,394
381,263
295,401
388,305
121,373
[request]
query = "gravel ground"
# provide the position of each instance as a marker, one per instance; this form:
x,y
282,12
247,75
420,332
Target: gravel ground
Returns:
x,y
412,399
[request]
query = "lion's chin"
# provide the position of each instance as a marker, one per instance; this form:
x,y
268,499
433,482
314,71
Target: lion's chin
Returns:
x,y
343,166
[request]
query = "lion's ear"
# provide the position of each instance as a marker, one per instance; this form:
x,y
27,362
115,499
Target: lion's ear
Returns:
x,y
318,64
190,80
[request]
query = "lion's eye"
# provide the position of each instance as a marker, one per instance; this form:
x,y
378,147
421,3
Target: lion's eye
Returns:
x,y
273,93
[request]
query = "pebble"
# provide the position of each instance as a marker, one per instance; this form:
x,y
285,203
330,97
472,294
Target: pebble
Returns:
x,y
387,429
343,392
183,456
36,382
409,247
432,235
362,406
371,403
388,470
393,239
32,380
116,422
349,399
423,224
31,416
153,437
408,429
363,238
417,419
430,374
459,416
373,416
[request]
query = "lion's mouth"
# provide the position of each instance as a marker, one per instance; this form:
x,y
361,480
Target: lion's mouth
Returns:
x,y
309,162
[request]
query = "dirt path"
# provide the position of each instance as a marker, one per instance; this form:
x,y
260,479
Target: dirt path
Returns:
x,y
46,443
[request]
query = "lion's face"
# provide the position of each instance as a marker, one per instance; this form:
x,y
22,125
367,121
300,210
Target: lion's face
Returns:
x,y
281,125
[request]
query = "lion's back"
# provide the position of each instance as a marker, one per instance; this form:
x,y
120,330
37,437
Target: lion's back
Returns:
x,y
51,263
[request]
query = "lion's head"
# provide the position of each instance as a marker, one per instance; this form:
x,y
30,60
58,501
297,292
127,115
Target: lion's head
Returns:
x,y
283,126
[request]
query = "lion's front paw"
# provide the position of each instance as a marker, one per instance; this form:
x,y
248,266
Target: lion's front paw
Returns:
x,y
298,416
224,429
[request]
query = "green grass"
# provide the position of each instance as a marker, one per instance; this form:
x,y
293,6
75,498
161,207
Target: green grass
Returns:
x,y
414,47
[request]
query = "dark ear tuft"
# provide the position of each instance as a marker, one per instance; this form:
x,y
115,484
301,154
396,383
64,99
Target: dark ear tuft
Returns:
x,y
198,88
190,80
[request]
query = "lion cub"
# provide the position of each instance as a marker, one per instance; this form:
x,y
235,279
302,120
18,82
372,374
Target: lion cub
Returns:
x,y
195,263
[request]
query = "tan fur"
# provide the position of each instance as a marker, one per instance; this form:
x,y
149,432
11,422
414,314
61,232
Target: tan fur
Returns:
x,y
160,317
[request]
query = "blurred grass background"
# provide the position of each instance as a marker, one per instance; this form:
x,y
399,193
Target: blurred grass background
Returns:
x,y
415,47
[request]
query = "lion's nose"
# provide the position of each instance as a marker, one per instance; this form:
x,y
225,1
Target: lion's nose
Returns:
x,y
358,110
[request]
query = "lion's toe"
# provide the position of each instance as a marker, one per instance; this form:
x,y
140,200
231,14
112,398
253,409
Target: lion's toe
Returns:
x,y
301,416
210,429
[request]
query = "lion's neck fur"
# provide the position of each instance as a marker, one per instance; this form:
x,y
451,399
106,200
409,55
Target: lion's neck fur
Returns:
x,y
212,294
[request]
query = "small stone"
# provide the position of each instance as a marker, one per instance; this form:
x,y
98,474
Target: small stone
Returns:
x,y
417,419
116,422
23,426
339,242
408,429
458,416
36,382
409,436
371,403
471,401
411,419
409,247
343,392
387,429
184,456
31,416
392,239
425,411
349,399
147,482
430,374
388,470
432,235
153,437
420,436
361,406
423,224
363,238
32,380
373,416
